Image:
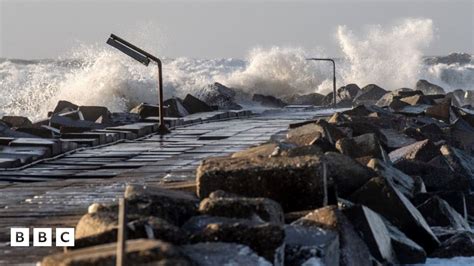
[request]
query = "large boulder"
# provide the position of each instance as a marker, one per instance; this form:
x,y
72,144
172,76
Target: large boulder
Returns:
x,y
407,251
434,176
460,162
5,131
175,108
64,107
364,147
429,88
347,174
353,250
265,239
424,151
222,204
462,134
373,231
312,133
294,182
97,114
369,95
16,121
403,182
145,110
194,105
438,212
382,196
218,95
268,101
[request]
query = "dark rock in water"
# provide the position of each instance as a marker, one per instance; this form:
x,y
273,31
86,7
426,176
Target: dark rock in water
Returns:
x,y
5,131
125,118
369,94
353,251
145,110
344,96
347,174
151,228
422,151
452,58
268,101
175,108
306,99
383,197
403,182
265,239
366,145
96,114
64,107
304,243
239,207
140,252
194,105
463,135
460,162
218,95
373,231
175,207
429,88
220,253
16,121
438,212
406,250
435,177
459,245
294,182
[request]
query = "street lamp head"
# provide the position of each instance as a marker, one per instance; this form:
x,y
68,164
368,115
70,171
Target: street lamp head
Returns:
x,y
128,50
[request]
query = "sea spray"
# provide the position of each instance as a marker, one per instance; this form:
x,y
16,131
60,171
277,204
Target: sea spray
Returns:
x,y
389,57
98,75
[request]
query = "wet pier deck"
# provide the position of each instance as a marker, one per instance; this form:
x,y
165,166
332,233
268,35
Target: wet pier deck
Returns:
x,y
56,193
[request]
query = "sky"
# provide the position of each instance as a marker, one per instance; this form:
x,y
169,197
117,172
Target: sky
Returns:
x,y
35,29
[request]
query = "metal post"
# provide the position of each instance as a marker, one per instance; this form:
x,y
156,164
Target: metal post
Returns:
x,y
122,234
334,75
144,58
162,129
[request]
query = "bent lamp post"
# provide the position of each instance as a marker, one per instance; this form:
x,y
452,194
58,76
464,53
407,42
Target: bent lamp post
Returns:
x,y
334,75
144,58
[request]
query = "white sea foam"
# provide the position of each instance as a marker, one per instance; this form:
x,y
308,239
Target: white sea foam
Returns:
x,y
98,75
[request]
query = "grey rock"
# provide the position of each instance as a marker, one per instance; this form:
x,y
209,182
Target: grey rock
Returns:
x,y
438,212
383,197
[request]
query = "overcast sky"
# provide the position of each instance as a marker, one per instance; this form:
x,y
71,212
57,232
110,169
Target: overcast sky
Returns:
x,y
216,29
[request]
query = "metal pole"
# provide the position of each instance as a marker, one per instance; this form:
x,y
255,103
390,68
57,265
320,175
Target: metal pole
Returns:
x,y
162,129
334,76
122,234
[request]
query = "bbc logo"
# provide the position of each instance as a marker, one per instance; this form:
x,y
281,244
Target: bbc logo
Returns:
x,y
42,237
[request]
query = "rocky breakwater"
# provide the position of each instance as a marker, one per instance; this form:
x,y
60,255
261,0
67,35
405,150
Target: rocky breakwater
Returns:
x,y
371,185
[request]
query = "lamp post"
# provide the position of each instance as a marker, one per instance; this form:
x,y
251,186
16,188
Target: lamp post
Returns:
x,y
334,75
144,58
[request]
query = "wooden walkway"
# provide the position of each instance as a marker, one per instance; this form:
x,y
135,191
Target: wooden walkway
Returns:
x,y
56,193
